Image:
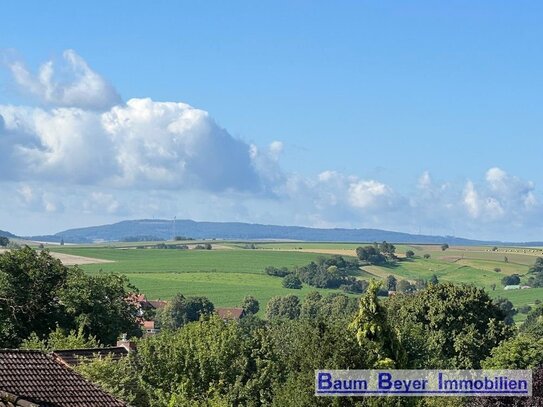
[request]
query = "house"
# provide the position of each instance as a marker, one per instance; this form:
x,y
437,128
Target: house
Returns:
x,y
150,328
157,304
74,357
31,378
146,312
234,314
143,304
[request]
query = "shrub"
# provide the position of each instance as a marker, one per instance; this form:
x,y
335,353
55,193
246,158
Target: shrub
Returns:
x,y
291,281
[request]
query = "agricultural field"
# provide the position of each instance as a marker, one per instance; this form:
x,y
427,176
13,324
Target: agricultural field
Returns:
x,y
231,271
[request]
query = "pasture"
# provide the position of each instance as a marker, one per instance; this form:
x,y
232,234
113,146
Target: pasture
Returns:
x,y
230,271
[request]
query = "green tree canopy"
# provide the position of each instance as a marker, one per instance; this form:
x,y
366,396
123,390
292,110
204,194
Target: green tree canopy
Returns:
x,y
391,283
283,307
103,304
182,310
538,266
250,305
448,325
30,283
291,281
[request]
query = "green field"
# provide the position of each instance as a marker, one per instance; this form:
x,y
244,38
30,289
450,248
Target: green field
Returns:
x,y
228,274
224,276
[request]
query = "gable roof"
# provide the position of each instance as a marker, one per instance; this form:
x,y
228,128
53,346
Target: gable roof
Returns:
x,y
157,304
230,313
29,377
73,357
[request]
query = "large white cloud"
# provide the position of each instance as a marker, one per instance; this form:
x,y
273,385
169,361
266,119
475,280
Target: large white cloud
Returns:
x,y
138,144
77,85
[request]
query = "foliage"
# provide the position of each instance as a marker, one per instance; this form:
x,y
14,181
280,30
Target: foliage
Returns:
x,y
206,246
521,352
404,286
388,249
373,330
118,377
448,326
536,280
61,339
391,283
250,305
205,360
4,241
331,307
171,246
513,279
370,254
525,309
276,271
283,307
30,284
291,281
507,308
410,254
444,246
331,272
102,304
538,266
38,294
426,256
181,310
534,322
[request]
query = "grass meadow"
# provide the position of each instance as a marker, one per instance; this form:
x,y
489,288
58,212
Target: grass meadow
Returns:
x,y
226,274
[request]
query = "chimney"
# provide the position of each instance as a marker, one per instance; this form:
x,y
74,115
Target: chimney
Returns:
x,y
125,343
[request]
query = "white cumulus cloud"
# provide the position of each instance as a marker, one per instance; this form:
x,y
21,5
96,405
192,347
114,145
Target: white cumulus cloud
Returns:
x,y
366,194
76,85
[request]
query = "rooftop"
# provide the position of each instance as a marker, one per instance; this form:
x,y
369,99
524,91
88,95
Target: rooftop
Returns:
x,y
34,379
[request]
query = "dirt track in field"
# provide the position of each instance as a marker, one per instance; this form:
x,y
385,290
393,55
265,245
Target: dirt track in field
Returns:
x,y
71,260
339,252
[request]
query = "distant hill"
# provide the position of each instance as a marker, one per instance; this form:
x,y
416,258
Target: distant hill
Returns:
x,y
166,229
6,234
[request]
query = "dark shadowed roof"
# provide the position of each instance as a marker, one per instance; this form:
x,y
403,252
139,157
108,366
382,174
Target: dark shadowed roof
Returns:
x,y
157,304
73,357
230,313
36,377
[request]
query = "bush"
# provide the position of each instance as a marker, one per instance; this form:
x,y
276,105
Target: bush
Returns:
x,y
426,256
513,279
291,281
525,309
277,272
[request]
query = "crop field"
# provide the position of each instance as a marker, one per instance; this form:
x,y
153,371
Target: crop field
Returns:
x,y
230,271
224,276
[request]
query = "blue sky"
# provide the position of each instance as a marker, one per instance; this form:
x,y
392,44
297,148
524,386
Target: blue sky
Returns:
x,y
419,116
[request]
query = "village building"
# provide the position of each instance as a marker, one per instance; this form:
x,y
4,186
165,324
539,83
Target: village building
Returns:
x,y
230,313
31,378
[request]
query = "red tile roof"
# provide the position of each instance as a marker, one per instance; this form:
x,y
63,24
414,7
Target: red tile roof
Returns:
x,y
148,324
35,377
230,313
